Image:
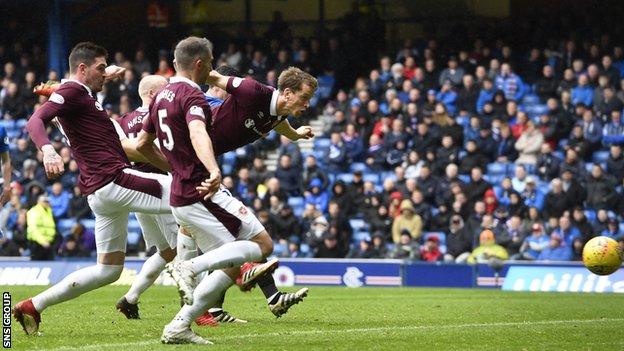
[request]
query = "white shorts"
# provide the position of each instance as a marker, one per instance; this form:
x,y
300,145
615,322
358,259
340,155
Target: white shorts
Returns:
x,y
158,230
131,191
221,220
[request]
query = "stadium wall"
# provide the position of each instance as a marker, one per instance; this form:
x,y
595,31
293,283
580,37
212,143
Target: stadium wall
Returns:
x,y
354,273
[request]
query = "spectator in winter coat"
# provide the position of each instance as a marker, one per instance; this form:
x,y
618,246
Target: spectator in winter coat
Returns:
x,y
406,248
317,196
547,166
529,144
615,163
458,241
430,251
613,132
488,249
486,94
408,220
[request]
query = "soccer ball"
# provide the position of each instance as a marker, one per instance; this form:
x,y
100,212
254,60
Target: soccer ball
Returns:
x,y
602,255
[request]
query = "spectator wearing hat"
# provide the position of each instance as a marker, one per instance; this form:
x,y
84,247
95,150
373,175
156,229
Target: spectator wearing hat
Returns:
x,y
430,251
487,249
529,144
557,250
41,229
534,244
613,229
407,248
408,220
379,245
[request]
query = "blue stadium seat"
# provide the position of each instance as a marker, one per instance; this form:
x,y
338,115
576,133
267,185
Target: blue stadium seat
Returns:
x,y
497,168
562,143
21,123
559,154
371,177
358,225
134,226
229,158
494,178
296,201
357,237
464,178
88,223
359,166
345,177
600,156
530,99
305,249
133,238
227,169
298,211
8,124
588,166
321,143
591,215
462,120
64,225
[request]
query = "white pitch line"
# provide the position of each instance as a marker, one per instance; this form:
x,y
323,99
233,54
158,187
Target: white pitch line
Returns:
x,y
353,330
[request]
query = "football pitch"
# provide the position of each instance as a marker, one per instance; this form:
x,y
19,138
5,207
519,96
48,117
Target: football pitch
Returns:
x,y
344,319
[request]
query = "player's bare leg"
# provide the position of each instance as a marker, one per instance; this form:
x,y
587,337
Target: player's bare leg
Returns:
x,y
107,270
153,266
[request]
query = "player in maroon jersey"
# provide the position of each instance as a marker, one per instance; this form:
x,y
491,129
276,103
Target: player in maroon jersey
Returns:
x,y
159,230
220,224
112,188
251,110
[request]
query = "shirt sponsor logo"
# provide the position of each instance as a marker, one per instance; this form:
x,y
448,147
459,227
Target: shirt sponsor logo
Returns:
x,y
99,106
197,111
57,98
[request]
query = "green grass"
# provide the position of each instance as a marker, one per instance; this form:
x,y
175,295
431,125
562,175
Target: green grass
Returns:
x,y
345,319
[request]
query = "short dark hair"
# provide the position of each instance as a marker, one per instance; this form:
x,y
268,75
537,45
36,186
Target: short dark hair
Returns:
x,y
85,52
228,71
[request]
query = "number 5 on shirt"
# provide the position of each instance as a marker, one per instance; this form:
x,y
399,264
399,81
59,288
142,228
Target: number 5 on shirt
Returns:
x,y
167,143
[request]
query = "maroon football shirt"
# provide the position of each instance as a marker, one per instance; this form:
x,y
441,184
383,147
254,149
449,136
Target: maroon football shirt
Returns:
x,y
91,135
132,123
175,106
248,114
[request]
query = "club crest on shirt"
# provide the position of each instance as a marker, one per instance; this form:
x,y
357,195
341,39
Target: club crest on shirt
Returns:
x,y
242,210
57,98
249,123
197,111
99,106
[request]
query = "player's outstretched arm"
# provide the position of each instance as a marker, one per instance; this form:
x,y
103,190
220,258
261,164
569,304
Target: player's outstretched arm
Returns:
x,y
217,79
36,127
285,129
143,147
203,148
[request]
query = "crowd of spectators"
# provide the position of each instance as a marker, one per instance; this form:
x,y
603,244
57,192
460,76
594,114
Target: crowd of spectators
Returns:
x,y
436,155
